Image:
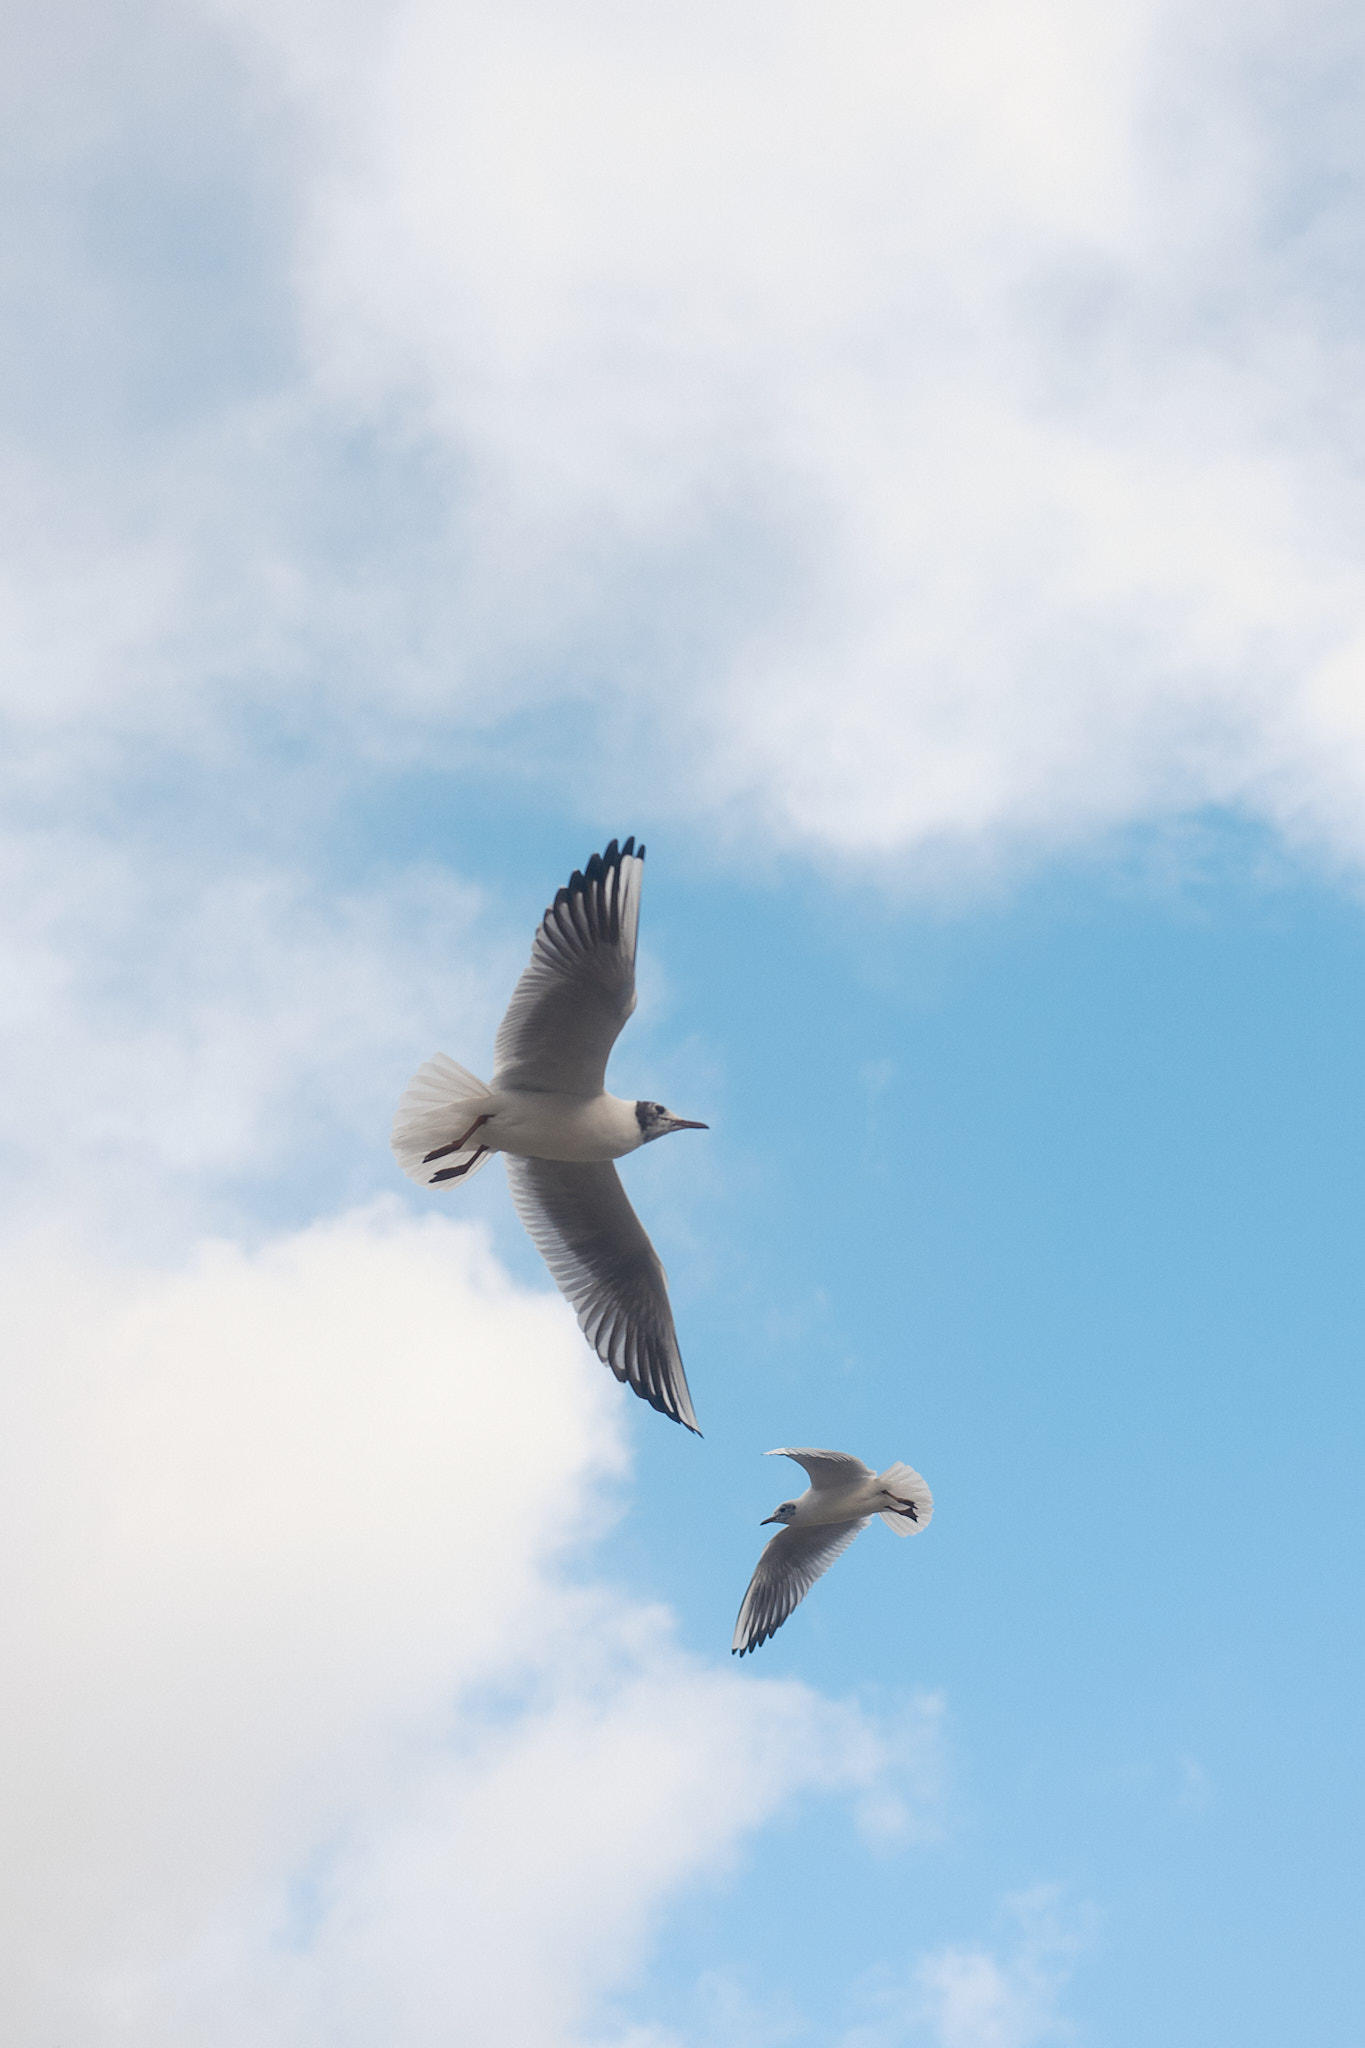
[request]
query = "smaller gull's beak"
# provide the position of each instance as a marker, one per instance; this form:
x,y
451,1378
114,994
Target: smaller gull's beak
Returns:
x,y
682,1123
769,1518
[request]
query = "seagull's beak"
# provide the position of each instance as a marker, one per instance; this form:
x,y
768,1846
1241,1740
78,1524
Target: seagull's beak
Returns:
x,y
769,1518
682,1123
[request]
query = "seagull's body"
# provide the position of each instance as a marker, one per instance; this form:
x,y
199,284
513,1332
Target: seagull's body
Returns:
x,y
548,1111
843,1496
559,1126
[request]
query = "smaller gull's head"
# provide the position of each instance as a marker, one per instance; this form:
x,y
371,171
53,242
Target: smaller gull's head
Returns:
x,y
784,1514
655,1121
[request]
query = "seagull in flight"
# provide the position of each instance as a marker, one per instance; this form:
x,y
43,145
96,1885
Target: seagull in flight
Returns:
x,y
843,1496
548,1111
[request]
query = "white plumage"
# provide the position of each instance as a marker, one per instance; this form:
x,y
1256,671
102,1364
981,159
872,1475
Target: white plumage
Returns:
x,y
549,1111
843,1496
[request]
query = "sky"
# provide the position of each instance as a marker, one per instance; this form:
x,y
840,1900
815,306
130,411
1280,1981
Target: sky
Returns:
x,y
906,464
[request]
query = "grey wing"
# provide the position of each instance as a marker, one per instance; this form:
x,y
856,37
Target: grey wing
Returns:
x,y
568,1008
593,1242
827,1468
787,1570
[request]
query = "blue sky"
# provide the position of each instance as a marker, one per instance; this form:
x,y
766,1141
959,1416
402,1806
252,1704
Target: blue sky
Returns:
x,y
904,465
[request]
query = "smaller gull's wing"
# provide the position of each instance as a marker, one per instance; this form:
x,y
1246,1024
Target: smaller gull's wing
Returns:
x,y
827,1468
595,1245
787,1570
568,1008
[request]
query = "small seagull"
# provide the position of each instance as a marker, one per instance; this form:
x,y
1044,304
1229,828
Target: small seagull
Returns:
x,y
843,1496
548,1111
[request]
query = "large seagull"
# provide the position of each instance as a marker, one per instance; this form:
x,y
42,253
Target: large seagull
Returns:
x,y
548,1111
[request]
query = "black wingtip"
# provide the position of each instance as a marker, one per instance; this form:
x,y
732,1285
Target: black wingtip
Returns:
x,y
660,1401
672,1415
598,865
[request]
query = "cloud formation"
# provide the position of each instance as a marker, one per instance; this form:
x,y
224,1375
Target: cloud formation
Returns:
x,y
952,373
965,1996
934,431
318,1732
183,1028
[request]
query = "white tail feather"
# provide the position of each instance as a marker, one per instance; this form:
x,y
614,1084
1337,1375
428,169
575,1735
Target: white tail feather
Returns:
x,y
439,1103
906,1484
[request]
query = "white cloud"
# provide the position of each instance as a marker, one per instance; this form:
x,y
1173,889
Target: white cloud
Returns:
x,y
932,401
926,429
187,1025
965,1996
310,1735
975,1999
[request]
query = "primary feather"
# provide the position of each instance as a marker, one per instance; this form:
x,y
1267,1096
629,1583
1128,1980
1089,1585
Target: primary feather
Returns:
x,y
568,1009
595,1245
787,1569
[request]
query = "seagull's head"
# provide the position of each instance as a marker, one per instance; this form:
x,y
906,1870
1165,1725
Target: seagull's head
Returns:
x,y
656,1122
786,1513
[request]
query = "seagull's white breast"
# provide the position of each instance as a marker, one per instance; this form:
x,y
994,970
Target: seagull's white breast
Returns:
x,y
545,1126
862,1496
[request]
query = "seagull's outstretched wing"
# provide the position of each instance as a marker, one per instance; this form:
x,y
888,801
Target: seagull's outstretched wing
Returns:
x,y
827,1468
568,1008
595,1245
787,1570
